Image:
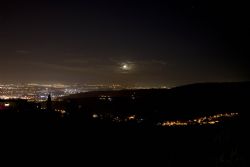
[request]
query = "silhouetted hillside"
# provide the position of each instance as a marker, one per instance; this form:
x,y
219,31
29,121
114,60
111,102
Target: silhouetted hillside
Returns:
x,y
181,102
125,124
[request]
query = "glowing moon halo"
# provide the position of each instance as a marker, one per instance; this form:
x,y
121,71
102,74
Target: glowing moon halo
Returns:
x,y
125,67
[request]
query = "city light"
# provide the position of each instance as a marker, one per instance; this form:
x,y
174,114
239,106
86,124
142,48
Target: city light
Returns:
x,y
132,117
95,116
7,104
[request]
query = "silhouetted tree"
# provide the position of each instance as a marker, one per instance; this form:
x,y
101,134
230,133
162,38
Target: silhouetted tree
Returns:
x,y
49,103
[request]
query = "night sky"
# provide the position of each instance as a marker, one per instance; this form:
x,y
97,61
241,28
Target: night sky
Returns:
x,y
145,43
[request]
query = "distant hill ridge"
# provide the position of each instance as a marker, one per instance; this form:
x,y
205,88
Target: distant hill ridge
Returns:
x,y
240,87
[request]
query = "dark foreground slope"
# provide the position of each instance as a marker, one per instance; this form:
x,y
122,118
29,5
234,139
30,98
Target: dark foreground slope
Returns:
x,y
225,144
104,142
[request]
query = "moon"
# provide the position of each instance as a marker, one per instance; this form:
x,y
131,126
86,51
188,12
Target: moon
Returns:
x,y
126,67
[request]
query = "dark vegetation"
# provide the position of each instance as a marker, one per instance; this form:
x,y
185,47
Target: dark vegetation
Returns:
x,y
224,144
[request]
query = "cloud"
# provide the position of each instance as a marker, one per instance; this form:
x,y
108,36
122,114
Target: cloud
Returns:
x,y
101,67
58,67
23,51
90,68
159,62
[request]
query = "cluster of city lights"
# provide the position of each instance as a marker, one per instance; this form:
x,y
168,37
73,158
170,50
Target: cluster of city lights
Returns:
x,y
60,111
209,120
206,120
40,92
118,119
104,97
